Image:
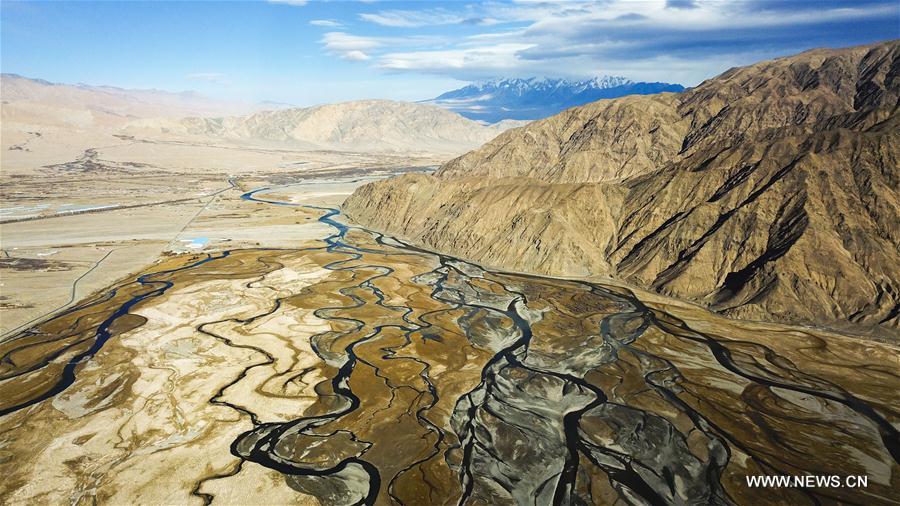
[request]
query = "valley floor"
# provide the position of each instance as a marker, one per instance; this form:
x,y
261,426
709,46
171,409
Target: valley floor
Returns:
x,y
342,366
69,229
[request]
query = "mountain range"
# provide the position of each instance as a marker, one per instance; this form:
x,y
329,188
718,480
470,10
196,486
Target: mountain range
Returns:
x,y
536,98
770,192
373,126
79,116
37,102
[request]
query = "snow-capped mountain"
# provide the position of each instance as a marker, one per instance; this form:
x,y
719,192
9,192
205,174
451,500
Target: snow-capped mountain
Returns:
x,y
534,98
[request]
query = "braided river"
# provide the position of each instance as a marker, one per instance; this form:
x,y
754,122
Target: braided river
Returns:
x,y
358,369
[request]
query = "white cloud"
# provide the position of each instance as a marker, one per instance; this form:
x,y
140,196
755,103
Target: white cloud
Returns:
x,y
703,16
328,23
297,3
355,55
683,41
360,48
673,40
493,59
349,47
341,41
426,17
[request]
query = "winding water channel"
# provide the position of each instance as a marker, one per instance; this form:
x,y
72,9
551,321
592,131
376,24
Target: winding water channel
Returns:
x,y
441,382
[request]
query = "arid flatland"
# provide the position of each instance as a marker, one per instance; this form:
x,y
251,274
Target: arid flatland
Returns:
x,y
353,367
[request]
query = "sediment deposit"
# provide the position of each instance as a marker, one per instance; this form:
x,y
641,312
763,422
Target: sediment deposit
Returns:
x,y
359,369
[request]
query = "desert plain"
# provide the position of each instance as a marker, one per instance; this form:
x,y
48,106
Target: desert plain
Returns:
x,y
71,228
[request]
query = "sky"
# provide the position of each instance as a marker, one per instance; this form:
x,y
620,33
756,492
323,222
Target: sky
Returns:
x,y
311,52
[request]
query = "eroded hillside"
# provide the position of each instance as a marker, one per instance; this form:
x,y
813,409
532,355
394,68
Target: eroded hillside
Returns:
x,y
770,191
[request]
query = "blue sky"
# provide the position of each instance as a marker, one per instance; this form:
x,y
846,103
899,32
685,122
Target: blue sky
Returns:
x,y
312,52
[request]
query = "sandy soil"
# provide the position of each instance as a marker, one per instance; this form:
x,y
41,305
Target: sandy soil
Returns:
x,y
74,219
178,406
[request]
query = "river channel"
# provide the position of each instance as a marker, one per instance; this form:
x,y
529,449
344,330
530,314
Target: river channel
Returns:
x,y
432,380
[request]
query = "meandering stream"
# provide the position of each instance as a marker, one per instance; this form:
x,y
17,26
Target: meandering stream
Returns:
x,y
446,383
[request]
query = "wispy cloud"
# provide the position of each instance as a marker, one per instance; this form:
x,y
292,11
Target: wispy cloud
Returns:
x,y
681,4
360,48
297,3
685,40
349,47
355,55
426,17
485,60
327,23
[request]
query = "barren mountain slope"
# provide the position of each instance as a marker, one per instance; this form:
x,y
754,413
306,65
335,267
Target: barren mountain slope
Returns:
x,y
37,114
601,141
37,102
366,125
49,123
770,191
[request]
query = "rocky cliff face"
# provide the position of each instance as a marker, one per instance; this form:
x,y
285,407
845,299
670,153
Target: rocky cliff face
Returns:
x,y
770,191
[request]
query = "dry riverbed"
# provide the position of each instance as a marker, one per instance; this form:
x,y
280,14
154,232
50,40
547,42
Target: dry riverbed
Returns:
x,y
349,367
70,229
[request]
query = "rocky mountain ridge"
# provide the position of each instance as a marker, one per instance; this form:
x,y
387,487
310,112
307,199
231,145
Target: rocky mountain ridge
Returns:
x,y
768,192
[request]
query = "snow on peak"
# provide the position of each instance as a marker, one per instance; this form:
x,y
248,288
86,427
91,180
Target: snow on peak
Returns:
x,y
546,83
